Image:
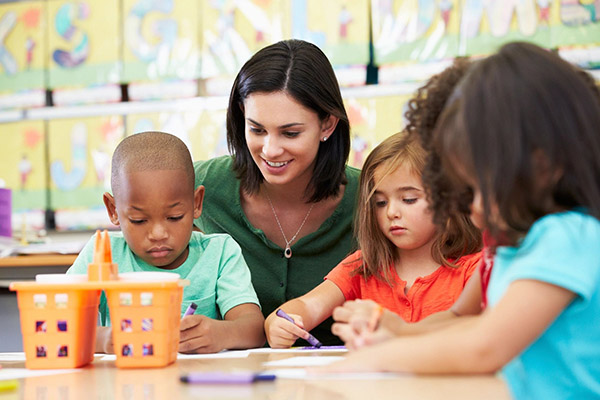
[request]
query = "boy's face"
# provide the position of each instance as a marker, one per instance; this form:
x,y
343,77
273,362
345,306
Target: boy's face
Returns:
x,y
156,211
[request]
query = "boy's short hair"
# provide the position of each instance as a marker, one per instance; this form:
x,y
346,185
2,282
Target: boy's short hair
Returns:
x,y
151,151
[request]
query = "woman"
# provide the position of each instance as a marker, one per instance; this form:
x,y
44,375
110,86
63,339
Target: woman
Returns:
x,y
285,195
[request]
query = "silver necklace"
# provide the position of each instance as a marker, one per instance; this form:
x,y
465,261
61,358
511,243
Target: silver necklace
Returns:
x,y
288,251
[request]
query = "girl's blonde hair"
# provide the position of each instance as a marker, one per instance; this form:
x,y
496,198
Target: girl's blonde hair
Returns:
x,y
456,238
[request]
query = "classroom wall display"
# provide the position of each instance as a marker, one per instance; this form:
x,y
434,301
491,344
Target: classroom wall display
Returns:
x,y
579,23
203,131
415,30
339,27
79,155
22,54
233,30
83,44
161,40
211,141
372,119
425,30
23,170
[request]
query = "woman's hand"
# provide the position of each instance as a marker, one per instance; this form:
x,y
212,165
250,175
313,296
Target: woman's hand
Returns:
x,y
282,333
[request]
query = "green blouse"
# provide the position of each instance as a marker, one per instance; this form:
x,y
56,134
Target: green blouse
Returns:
x,y
277,279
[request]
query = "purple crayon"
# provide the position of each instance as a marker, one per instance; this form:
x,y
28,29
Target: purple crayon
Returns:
x,y
191,309
225,377
311,339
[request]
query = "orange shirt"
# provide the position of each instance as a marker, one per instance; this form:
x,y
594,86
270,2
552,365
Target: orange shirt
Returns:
x,y
428,294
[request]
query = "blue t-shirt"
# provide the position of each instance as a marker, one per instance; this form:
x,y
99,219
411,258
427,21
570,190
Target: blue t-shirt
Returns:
x,y
219,277
562,249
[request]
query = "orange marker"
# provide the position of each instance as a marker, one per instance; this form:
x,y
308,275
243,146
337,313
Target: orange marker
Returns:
x,y
102,268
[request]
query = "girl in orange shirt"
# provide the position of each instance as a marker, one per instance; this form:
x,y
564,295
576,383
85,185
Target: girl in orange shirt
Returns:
x,y
405,263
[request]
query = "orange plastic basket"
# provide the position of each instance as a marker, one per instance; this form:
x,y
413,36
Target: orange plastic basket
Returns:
x,y
145,322
59,318
58,324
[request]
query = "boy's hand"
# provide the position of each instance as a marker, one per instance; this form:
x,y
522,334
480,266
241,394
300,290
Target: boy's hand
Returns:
x,y
104,340
282,333
200,334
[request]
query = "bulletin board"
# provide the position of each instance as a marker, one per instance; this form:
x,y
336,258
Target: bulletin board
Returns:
x,y
203,131
425,30
83,43
23,168
233,30
79,155
338,27
22,45
415,30
161,40
372,119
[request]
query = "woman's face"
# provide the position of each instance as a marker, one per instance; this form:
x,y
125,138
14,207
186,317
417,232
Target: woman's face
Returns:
x,y
283,136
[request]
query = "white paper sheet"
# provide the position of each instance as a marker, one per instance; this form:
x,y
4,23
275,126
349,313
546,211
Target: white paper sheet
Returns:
x,y
222,354
301,361
301,373
17,373
303,350
17,356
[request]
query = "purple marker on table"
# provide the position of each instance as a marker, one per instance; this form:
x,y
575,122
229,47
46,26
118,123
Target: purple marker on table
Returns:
x,y
226,377
191,309
311,339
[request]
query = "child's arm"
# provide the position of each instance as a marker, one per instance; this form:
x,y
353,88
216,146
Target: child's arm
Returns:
x,y
354,319
478,344
104,342
242,328
308,311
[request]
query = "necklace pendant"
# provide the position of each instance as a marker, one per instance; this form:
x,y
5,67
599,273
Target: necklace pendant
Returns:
x,y
287,252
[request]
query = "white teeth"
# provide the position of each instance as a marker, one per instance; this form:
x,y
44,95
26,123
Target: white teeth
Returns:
x,y
276,164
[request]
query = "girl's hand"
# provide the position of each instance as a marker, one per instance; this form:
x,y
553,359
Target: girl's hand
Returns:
x,y
362,315
282,333
200,334
355,340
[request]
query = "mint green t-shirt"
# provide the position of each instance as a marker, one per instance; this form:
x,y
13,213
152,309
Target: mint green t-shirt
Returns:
x,y
218,275
277,279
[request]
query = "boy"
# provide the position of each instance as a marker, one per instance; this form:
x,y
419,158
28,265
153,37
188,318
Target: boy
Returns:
x,y
155,204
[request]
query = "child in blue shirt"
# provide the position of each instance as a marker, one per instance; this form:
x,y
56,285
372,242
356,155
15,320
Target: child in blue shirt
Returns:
x,y
521,129
154,203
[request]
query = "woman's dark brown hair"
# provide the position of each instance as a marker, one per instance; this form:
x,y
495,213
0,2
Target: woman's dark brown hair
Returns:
x,y
301,70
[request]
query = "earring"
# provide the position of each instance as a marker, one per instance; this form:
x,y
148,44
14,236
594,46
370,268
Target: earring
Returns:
x,y
324,138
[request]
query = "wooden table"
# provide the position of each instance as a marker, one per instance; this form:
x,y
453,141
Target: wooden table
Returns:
x,y
102,380
26,267
38,260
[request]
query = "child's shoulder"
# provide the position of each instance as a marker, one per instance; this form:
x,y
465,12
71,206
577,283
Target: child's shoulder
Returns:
x,y
469,261
205,240
564,226
352,261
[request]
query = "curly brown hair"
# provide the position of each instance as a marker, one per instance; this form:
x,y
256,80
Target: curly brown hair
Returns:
x,y
447,201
